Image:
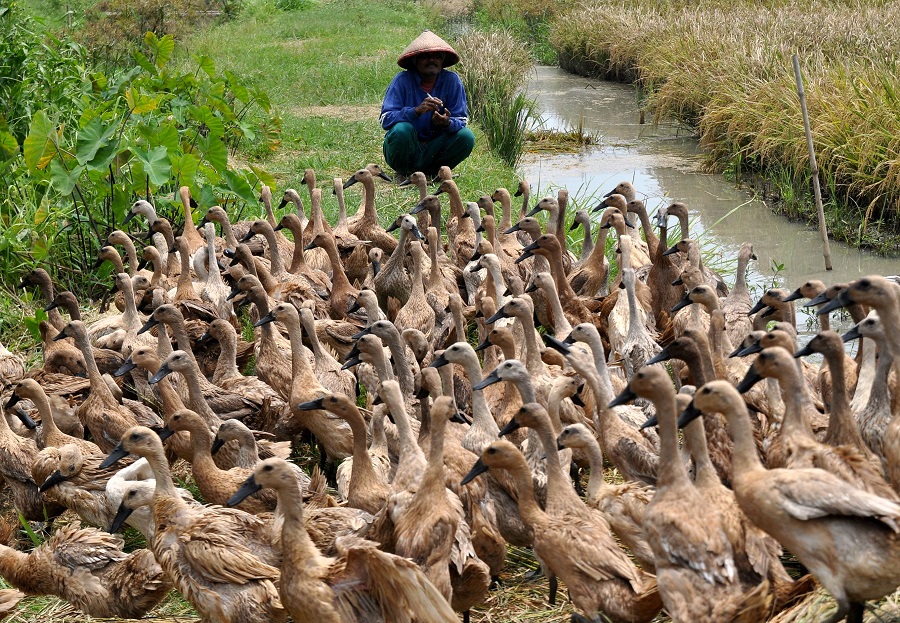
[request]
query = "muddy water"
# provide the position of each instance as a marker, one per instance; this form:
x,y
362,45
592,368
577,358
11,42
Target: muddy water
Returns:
x,y
664,163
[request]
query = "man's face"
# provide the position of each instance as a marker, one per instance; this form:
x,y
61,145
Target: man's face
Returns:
x,y
429,65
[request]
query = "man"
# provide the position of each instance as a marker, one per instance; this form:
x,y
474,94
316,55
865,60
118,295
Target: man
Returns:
x,y
424,110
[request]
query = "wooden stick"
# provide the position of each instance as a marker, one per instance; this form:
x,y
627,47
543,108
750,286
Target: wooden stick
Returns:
x,y
823,228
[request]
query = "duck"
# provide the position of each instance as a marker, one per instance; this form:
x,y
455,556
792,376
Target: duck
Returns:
x,y
366,485
41,278
845,536
698,578
571,548
89,569
622,505
360,584
364,224
221,560
70,478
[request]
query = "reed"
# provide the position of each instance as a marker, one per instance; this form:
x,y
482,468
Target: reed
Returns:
x,y
725,69
494,69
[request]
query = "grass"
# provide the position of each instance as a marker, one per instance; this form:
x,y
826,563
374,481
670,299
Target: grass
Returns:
x,y
725,69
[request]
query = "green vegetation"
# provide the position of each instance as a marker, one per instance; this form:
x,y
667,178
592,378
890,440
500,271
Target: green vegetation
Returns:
x,y
725,68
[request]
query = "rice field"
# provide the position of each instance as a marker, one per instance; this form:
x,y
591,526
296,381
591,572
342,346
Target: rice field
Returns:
x,y
724,68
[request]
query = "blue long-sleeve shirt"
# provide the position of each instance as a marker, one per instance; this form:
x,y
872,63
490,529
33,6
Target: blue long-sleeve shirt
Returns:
x,y
405,93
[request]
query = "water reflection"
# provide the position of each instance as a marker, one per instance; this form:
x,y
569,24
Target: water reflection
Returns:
x,y
666,166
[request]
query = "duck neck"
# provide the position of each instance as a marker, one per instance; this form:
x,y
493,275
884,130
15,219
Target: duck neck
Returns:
x,y
131,254
596,482
228,233
277,262
879,394
98,385
744,456
42,403
14,567
674,472
796,401
190,233
740,280
561,324
299,548
339,279
482,418
433,479
526,389
165,486
369,215
529,510
705,474
226,366
558,484
647,226
197,399
184,291
201,444
362,471
300,368
533,361
596,345
505,211
401,363
342,206
298,260
841,425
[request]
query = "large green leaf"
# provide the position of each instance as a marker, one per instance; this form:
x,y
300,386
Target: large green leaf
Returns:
x,y
264,176
40,147
9,146
207,65
156,164
139,103
239,186
166,134
205,116
214,151
164,50
91,138
64,179
184,167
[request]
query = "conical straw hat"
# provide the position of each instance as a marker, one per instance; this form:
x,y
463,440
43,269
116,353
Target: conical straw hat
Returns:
x,y
427,42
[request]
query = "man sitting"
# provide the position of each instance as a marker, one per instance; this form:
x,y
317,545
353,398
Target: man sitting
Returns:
x,y
424,110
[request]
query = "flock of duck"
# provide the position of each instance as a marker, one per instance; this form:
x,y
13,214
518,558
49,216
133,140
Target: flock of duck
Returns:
x,y
454,454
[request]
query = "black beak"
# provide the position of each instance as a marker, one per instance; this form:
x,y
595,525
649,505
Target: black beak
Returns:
x,y
270,317
310,405
749,350
13,399
162,373
481,346
852,334
690,413
819,300
52,480
350,181
671,250
626,396
750,379
577,401
417,233
217,444
661,356
558,346
842,300
500,314
60,336
119,520
396,225
351,362
114,457
803,352
26,420
247,236
439,361
312,245
128,217
793,296
490,379
513,229
759,305
151,322
126,367
365,331
510,427
247,489
459,418
650,423
164,433
477,469
684,302
51,305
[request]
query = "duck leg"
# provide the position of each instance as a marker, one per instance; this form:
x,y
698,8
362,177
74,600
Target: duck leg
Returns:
x,y
466,616
575,475
554,585
855,615
844,609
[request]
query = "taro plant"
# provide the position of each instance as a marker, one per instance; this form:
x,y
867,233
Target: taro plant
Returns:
x,y
141,132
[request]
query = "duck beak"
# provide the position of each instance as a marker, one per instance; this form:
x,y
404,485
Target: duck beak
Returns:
x,y
13,399
51,305
312,245
126,367
385,177
162,373
233,294
477,469
52,480
671,250
247,236
481,346
270,317
500,314
247,489
365,331
577,400
690,413
560,347
128,217
459,418
151,322
396,224
310,405
803,352
419,207
439,361
684,302
533,211
351,362
651,422
750,350
819,300
217,444
574,225
119,520
852,334
625,396
661,356
842,300
163,433
793,296
114,457
490,379
61,336
513,229
750,379
26,420
759,305
417,233
511,426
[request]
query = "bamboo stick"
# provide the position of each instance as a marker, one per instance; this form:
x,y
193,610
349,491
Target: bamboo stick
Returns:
x,y
817,191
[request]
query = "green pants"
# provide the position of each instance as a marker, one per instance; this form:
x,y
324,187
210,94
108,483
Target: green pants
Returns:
x,y
405,154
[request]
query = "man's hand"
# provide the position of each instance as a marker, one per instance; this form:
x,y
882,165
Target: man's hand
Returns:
x,y
440,120
430,104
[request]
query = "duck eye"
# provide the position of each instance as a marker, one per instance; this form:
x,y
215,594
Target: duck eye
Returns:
x,y
267,468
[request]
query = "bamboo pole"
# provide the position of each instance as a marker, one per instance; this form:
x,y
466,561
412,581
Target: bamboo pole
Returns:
x,y
817,191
